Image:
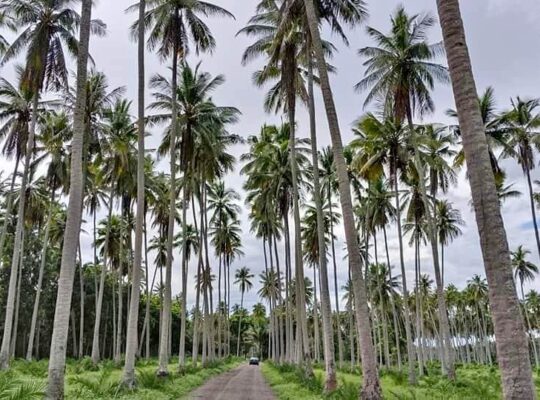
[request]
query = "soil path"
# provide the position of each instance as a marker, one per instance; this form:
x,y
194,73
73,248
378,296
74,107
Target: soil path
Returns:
x,y
243,383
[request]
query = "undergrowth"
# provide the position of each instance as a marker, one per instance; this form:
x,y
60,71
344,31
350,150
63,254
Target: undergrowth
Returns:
x,y
86,381
474,382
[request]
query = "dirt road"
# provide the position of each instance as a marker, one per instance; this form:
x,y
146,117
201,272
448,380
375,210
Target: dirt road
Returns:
x,y
243,383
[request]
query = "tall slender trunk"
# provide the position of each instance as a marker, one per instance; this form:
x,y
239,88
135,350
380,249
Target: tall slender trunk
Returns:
x,y
382,310
43,262
14,336
219,321
17,242
511,340
9,206
82,294
72,230
103,275
208,287
240,325
336,291
119,315
196,317
183,319
164,330
326,309
149,290
371,387
405,292
289,337
528,323
392,303
303,354
315,310
533,210
418,307
133,317
448,356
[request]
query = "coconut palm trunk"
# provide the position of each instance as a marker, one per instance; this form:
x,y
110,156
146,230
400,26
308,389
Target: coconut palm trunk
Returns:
x,y
533,209
529,327
165,321
14,335
371,387
336,291
448,356
81,303
405,291
240,324
326,309
183,318
119,315
103,274
196,316
302,345
43,262
511,340
316,325
57,361
392,302
133,317
9,206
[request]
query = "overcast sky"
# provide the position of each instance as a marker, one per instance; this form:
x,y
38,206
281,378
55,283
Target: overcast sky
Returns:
x,y
503,38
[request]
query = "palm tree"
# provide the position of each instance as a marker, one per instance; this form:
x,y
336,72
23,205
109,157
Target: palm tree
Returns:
x,y
243,279
271,194
56,131
522,126
495,136
511,340
283,50
400,74
133,318
47,28
16,114
386,142
524,270
371,386
448,226
224,226
55,389
6,21
329,186
174,24
203,122
505,192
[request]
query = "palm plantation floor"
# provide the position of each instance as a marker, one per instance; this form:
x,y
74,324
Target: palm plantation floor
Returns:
x,y
474,382
85,382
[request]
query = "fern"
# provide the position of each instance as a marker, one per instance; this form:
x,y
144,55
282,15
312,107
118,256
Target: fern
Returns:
x,y
102,385
14,389
149,380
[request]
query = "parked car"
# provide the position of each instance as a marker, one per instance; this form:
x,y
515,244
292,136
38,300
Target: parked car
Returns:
x,y
253,361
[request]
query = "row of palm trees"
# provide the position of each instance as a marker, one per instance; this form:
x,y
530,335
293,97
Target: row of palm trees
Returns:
x,y
393,165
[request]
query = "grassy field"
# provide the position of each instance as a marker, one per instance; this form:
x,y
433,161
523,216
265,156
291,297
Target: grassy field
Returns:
x,y
473,383
26,380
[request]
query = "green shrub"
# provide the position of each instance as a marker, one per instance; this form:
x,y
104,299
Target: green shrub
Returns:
x,y
102,385
147,379
36,369
12,388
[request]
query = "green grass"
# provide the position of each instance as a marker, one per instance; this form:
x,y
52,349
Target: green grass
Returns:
x,y
27,380
473,383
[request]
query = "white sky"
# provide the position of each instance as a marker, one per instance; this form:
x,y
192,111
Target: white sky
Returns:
x,y
503,40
